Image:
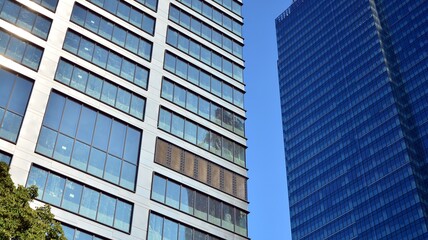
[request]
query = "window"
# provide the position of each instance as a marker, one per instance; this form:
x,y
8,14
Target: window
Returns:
x,y
49,4
206,55
198,168
205,31
201,136
203,79
5,157
116,64
124,11
55,189
26,19
86,149
72,233
217,15
111,31
152,4
20,51
161,228
15,92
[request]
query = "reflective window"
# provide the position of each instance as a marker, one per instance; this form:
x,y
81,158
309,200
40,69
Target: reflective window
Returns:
x,y
217,16
202,106
73,233
126,11
20,51
161,228
219,213
205,138
26,19
116,64
5,157
152,4
49,4
65,193
203,79
112,32
101,89
87,148
15,92
206,55
205,31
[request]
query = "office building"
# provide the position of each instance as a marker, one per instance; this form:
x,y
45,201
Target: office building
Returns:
x,y
353,86
128,115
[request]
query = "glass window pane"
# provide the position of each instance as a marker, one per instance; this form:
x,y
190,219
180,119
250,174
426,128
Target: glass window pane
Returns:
x,y
68,232
37,177
172,37
227,149
195,50
15,50
158,191
206,55
227,45
228,214
179,95
123,215
102,132
228,119
190,132
165,120
183,43
174,14
46,142
54,189
185,20
63,148
204,108
216,86
53,113
177,126
193,75
100,56
238,98
79,14
170,62
123,11
132,145
198,235
206,32
201,205
145,49
106,209
123,100
32,57
119,35
227,67
215,212
167,90
181,69
239,156
105,29
128,175
239,125
86,49
185,233
10,11
216,113
63,72
117,139
92,22
135,17
207,10
132,42
238,72
10,126
79,79
112,170
137,107
128,70
187,200
80,156
217,38
203,138
155,227
82,236
141,77
170,230
227,92
217,61
96,162
241,222
70,118
94,86
86,125
192,102
4,41
72,194
89,205
111,6
113,63
215,144
7,81
20,95
173,194
71,42
148,24
205,81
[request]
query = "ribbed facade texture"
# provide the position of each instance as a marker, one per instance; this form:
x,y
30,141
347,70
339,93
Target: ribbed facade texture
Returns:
x,y
353,81
128,115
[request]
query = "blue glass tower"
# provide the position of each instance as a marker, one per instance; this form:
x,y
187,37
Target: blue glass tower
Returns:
x,y
353,81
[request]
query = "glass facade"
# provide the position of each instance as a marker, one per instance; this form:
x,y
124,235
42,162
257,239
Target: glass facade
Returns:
x,y
90,77
81,199
91,141
351,75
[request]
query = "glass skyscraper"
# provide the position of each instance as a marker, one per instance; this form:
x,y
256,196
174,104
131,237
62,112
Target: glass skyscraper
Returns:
x,y
353,81
128,115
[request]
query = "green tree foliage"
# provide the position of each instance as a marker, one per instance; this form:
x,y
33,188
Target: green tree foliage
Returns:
x,y
18,221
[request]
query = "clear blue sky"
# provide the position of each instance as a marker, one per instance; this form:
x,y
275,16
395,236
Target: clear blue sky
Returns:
x,y
267,187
